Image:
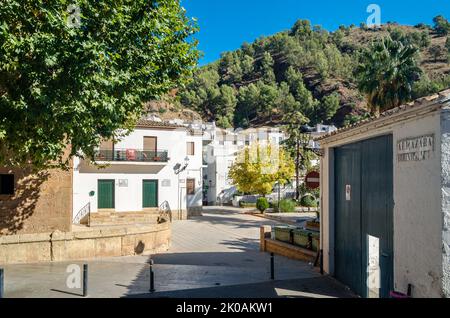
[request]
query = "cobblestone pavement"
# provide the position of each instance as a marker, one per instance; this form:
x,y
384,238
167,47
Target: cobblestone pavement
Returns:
x,y
216,255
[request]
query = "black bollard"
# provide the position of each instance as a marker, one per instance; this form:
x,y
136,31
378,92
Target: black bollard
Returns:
x,y
1,282
85,280
272,266
152,277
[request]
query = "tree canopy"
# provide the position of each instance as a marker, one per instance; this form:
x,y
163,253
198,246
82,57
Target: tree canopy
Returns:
x,y
259,166
74,80
387,72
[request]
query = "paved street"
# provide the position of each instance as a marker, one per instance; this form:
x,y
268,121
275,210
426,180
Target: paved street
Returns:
x,y
216,255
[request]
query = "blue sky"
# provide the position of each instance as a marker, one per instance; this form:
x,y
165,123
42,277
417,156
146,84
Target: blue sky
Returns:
x,y
226,24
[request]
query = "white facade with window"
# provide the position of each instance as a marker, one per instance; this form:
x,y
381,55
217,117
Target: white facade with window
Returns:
x,y
143,173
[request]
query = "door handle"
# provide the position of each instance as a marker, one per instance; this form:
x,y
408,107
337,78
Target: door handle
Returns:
x,y
384,254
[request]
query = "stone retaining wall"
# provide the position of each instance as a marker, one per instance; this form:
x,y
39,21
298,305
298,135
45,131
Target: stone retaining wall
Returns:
x,y
41,203
85,244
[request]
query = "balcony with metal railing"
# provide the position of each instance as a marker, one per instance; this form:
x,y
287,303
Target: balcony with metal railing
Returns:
x,y
131,155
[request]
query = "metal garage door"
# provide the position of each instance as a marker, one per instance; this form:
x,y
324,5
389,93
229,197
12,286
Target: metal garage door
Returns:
x,y
364,220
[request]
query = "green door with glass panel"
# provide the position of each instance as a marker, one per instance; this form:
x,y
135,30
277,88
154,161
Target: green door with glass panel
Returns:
x,y
106,194
150,193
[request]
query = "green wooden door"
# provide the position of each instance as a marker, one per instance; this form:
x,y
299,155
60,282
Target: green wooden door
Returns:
x,y
363,209
150,193
106,194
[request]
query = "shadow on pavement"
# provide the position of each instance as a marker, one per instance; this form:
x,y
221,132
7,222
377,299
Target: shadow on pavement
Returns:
x,y
320,287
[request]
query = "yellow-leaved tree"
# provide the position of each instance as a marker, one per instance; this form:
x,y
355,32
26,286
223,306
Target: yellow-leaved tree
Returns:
x,y
258,167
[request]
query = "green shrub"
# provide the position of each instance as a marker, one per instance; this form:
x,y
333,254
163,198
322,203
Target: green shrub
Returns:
x,y
308,201
262,204
286,205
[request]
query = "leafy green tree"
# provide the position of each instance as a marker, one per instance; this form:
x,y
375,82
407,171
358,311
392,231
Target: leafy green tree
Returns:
x,y
230,70
286,101
258,167
386,73
248,103
295,143
268,98
266,65
225,104
247,66
69,81
302,29
441,25
328,107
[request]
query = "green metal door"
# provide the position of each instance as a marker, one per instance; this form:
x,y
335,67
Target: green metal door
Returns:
x,y
348,249
363,209
106,194
150,193
377,208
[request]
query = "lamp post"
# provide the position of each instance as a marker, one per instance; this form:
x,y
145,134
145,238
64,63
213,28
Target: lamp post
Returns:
x,y
178,169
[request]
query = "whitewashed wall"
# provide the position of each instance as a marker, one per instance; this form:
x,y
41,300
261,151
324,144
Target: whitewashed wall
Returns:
x,y
128,199
418,217
195,171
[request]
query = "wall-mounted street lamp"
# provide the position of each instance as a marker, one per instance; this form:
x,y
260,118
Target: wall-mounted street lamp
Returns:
x,y
179,168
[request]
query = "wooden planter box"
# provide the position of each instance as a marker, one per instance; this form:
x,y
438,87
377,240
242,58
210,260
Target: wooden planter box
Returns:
x,y
301,238
283,233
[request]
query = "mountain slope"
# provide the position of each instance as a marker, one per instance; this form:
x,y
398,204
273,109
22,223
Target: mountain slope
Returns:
x,y
305,68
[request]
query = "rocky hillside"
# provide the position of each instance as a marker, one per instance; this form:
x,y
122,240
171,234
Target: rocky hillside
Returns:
x,y
310,69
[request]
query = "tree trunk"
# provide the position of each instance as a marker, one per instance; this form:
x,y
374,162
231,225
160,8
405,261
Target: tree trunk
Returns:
x,y
297,170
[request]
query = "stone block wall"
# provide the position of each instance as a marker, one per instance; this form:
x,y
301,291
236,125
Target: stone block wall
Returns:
x,y
85,244
42,202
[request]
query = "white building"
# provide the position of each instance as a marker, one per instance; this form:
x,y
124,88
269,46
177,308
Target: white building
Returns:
x,y
221,147
385,198
158,163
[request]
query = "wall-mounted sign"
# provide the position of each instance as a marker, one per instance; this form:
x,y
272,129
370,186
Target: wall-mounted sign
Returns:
x,y
415,149
348,192
123,183
165,183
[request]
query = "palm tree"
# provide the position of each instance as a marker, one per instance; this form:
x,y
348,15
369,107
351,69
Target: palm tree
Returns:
x,y
387,72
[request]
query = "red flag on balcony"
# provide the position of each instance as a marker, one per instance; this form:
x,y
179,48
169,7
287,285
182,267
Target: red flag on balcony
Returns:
x,y
131,154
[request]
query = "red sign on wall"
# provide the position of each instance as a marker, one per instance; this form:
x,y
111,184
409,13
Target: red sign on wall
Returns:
x,y
312,180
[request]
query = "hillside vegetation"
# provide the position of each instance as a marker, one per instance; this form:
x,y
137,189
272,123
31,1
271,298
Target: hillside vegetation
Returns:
x,y
309,70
